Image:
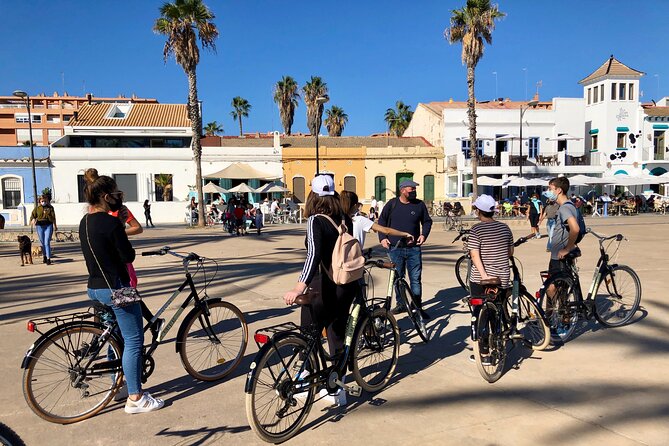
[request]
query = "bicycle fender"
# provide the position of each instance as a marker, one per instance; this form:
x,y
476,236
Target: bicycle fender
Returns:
x,y
476,310
182,327
250,376
27,359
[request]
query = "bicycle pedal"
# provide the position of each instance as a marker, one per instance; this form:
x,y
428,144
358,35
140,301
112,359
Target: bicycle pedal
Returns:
x,y
351,389
516,336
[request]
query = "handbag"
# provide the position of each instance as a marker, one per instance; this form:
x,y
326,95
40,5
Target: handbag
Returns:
x,y
123,296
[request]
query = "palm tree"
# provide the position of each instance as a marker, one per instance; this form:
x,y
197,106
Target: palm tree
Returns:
x,y
164,181
398,119
183,23
213,128
240,108
312,90
335,120
286,96
472,25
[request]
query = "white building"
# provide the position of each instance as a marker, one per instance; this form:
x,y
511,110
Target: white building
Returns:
x,y
135,143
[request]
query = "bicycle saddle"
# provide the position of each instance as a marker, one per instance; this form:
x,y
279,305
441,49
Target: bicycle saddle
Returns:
x,y
493,281
306,298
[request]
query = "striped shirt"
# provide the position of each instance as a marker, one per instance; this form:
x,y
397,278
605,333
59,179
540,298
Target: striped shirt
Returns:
x,y
493,240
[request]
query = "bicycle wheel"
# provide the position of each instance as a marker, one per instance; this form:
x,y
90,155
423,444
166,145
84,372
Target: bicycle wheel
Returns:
x,y
490,348
8,437
620,299
405,295
213,341
376,348
462,266
273,409
560,310
532,323
55,385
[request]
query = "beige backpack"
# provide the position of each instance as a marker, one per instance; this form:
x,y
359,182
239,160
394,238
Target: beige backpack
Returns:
x,y
348,263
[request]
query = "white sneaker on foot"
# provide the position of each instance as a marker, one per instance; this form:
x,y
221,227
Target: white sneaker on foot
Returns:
x,y
146,403
337,400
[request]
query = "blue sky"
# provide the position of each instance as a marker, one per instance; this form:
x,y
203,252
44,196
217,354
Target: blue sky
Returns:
x,y
371,53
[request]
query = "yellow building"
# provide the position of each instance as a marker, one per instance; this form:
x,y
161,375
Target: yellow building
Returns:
x,y
366,165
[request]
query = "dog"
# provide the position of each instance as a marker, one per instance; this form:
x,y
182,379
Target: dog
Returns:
x,y
24,249
37,251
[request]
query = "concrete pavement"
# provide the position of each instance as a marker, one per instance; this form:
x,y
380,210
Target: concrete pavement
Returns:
x,y
607,386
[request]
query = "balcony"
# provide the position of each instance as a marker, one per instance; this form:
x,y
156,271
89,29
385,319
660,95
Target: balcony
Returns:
x,y
544,163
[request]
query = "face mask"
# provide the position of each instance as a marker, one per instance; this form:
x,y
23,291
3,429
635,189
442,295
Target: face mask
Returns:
x,y
550,195
412,195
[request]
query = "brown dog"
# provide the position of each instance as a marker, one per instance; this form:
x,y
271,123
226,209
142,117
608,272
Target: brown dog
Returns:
x,y
36,251
24,248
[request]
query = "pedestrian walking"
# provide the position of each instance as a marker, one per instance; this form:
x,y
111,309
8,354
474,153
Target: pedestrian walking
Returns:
x,y
534,211
407,213
549,213
147,214
43,218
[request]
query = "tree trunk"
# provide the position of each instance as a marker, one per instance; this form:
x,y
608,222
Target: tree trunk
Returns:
x,y
196,126
241,133
471,113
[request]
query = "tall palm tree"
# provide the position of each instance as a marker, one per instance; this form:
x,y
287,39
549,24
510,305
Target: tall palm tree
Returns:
x,y
286,96
240,109
398,119
335,120
183,23
213,128
312,90
471,25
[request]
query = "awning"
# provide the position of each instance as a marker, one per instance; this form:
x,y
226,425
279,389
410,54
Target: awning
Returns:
x,y
594,131
622,129
660,126
211,188
242,188
242,171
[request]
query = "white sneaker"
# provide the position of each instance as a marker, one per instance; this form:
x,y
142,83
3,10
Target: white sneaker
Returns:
x,y
146,403
336,400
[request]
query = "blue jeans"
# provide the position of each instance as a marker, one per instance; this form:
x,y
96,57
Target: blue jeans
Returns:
x,y
44,233
411,259
550,225
130,322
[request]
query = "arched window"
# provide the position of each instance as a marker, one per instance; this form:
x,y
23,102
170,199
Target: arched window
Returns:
x,y
349,183
298,189
11,192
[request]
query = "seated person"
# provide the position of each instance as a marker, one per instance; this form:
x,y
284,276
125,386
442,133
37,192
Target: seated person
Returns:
x,y
507,207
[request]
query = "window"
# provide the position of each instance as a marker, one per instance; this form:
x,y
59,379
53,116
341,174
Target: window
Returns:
x,y
601,93
380,188
621,92
163,187
595,142
630,92
66,118
127,182
119,111
466,145
589,96
621,139
428,188
23,136
349,183
53,119
595,94
81,187
54,134
614,87
11,192
658,144
37,119
298,189
533,147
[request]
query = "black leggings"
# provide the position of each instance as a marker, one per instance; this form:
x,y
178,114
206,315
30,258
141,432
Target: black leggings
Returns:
x,y
330,309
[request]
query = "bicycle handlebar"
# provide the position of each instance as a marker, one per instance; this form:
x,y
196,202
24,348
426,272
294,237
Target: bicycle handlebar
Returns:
x,y
167,250
462,233
522,240
602,239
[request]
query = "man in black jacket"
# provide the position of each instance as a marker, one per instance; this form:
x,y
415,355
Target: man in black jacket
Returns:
x,y
408,214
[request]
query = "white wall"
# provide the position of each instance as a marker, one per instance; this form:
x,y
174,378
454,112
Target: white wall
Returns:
x,y
427,124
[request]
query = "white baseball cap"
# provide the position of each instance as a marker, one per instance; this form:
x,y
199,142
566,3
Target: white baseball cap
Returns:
x,y
484,203
323,185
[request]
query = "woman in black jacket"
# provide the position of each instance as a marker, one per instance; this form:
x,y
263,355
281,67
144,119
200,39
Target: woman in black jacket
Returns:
x,y
106,250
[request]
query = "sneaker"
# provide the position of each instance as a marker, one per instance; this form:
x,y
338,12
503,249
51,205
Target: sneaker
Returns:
x,y
538,236
146,403
400,308
336,400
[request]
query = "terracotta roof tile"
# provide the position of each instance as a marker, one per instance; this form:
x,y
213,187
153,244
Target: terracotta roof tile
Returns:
x,y
656,111
439,107
235,141
355,141
611,67
140,115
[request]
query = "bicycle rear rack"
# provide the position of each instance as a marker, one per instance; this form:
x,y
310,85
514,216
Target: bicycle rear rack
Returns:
x,y
58,320
263,335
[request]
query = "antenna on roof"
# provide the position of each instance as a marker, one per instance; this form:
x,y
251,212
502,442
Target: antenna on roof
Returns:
x,y
539,85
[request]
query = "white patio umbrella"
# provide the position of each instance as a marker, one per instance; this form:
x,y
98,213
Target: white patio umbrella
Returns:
x,y
578,180
525,182
565,137
211,188
270,188
242,188
487,181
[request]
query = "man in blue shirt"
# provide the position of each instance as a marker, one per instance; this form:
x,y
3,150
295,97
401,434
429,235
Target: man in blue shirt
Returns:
x,y
406,213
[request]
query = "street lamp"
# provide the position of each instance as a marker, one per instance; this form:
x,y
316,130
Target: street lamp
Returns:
x,y
320,100
23,95
522,113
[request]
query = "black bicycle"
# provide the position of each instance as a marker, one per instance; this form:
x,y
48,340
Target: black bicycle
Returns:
x,y
562,300
74,369
399,286
501,318
292,366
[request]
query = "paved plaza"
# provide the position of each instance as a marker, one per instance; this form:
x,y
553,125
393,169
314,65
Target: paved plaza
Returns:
x,y
607,386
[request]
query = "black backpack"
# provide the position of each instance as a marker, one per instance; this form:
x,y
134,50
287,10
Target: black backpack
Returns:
x,y
582,229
